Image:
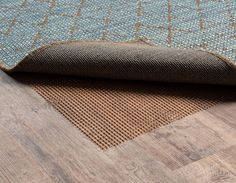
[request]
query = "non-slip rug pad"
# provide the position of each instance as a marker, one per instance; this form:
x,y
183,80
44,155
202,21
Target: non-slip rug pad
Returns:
x,y
110,112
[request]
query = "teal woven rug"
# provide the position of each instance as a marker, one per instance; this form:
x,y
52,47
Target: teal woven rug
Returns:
x,y
208,25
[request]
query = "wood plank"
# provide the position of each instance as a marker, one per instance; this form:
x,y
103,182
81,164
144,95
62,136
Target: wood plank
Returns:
x,y
16,165
226,112
214,168
134,161
183,142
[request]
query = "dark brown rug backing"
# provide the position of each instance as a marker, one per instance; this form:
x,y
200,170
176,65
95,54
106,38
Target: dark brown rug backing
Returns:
x,y
110,112
129,61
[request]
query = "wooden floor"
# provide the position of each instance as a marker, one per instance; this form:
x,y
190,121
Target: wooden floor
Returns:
x,y
38,145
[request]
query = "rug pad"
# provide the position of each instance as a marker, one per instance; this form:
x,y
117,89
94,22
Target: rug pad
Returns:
x,y
110,112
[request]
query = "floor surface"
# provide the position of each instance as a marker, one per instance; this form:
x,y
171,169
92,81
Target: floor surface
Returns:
x,y
37,144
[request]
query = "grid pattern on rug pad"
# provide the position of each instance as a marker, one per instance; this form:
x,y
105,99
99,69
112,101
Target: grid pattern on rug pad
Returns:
x,y
111,112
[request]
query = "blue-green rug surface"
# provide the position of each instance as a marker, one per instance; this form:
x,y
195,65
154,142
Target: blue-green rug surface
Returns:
x,y
26,25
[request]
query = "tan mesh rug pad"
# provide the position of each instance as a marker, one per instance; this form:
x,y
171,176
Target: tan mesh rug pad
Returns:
x,y
111,112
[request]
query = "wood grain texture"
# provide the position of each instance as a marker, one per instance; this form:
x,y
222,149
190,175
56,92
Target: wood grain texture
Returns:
x,y
37,144
57,146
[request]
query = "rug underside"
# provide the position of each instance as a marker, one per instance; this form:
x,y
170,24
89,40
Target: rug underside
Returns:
x,y
128,61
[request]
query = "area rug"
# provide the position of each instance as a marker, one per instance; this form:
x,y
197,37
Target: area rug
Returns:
x,y
132,44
